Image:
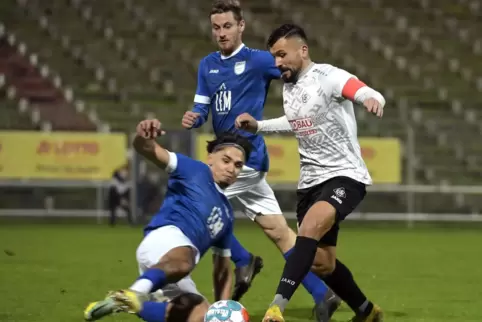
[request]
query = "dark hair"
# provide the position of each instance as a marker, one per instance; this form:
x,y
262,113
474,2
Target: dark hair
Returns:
x,y
231,138
287,30
222,6
182,306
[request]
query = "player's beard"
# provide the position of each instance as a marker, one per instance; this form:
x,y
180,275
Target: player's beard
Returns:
x,y
228,47
293,76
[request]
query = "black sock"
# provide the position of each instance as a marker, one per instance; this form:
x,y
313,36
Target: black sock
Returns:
x,y
297,266
342,283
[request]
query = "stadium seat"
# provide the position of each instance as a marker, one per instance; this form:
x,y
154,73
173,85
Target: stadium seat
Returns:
x,y
30,83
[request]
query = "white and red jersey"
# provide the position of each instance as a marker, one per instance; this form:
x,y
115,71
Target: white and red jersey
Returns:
x,y
324,123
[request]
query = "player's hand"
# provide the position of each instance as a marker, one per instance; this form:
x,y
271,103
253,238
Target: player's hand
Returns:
x,y
373,106
189,119
149,129
246,122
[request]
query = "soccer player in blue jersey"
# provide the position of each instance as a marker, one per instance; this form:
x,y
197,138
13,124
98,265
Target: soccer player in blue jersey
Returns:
x,y
233,81
195,216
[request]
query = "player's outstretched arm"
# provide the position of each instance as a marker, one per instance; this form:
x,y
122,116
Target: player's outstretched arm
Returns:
x,y
222,273
145,143
222,277
248,123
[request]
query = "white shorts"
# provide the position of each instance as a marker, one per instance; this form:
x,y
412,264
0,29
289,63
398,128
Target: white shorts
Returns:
x,y
252,194
155,245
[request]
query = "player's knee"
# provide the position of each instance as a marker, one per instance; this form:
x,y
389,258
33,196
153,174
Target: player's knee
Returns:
x,y
189,307
324,262
176,269
183,268
319,219
323,268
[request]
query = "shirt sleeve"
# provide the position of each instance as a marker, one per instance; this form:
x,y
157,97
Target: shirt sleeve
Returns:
x,y
267,64
337,79
202,98
280,124
181,166
202,90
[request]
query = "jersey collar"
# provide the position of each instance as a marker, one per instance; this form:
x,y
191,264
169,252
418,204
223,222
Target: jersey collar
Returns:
x,y
306,70
234,53
219,188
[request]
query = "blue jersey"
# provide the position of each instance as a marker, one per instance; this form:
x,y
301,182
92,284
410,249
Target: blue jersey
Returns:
x,y
195,204
230,86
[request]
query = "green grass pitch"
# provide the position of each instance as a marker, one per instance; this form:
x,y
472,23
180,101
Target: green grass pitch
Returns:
x,y
49,272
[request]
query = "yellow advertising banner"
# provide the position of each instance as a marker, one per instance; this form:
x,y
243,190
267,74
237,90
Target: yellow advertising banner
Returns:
x,y
60,155
382,157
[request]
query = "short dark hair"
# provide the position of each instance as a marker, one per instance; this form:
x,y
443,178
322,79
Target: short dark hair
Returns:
x,y
227,138
182,306
222,6
287,30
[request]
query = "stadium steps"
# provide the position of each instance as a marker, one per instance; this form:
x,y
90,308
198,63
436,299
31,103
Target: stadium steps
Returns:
x,y
11,118
40,92
456,86
153,55
68,20
27,28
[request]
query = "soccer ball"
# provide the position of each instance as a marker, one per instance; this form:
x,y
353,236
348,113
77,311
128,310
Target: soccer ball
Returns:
x,y
226,311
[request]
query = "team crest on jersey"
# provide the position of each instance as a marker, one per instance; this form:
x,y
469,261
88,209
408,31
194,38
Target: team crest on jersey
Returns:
x,y
239,67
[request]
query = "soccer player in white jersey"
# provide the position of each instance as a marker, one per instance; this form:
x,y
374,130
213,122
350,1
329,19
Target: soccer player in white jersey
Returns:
x,y
318,104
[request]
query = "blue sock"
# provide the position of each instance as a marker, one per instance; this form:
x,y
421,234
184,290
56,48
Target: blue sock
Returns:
x,y
312,283
156,276
239,255
153,311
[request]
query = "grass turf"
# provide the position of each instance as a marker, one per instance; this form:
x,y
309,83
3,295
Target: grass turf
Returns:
x,y
49,272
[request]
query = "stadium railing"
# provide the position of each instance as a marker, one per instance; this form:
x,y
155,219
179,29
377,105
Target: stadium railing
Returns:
x,y
97,209
185,142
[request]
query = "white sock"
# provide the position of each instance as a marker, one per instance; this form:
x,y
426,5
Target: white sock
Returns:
x,y
142,285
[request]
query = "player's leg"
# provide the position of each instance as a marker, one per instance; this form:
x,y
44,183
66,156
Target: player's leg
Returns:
x,y
317,221
168,255
260,205
239,255
335,274
317,213
187,304
340,279
185,307
247,264
165,256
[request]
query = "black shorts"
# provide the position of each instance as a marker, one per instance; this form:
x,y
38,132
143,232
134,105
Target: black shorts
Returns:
x,y
343,193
